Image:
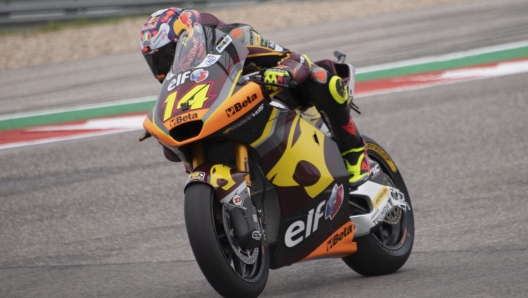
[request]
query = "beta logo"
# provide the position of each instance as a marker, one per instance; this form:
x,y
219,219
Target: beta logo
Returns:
x,y
183,118
310,225
338,237
240,105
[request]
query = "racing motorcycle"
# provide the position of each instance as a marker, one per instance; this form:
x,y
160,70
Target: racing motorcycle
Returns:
x,y
267,187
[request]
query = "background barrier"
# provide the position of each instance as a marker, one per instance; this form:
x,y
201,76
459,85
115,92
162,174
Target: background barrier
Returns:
x,y
40,11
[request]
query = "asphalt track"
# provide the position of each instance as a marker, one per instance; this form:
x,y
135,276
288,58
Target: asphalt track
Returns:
x,y
103,217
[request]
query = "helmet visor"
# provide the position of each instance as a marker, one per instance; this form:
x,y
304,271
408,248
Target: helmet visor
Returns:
x,y
160,60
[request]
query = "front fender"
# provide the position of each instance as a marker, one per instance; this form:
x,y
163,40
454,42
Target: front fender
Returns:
x,y
232,191
227,182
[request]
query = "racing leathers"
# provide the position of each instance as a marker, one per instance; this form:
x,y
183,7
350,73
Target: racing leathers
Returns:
x,y
315,86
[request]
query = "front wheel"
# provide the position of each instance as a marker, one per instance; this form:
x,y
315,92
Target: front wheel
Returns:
x,y
231,270
387,249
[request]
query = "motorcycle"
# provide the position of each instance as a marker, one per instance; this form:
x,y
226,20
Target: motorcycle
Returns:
x,y
267,187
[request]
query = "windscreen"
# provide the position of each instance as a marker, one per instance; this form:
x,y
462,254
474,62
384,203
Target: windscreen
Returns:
x,y
191,50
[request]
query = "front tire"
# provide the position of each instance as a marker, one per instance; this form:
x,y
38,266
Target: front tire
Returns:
x,y
214,247
387,249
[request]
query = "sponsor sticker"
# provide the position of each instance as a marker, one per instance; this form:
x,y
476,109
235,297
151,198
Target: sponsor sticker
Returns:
x,y
185,63
383,154
183,118
145,40
375,170
338,237
199,75
263,42
224,43
294,233
197,176
209,60
186,19
275,47
197,27
150,24
160,39
245,120
231,111
380,196
334,203
379,216
238,200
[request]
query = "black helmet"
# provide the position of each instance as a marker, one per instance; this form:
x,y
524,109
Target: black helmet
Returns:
x,y
159,36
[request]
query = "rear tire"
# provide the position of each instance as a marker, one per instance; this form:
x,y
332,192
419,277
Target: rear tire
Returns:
x,y
223,269
387,249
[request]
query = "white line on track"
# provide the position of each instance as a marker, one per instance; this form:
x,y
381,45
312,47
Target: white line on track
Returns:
x,y
361,70
448,57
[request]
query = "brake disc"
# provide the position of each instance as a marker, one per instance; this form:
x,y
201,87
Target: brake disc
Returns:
x,y
248,256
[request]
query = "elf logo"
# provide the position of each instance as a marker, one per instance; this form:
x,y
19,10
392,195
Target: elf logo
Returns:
x,y
335,201
294,233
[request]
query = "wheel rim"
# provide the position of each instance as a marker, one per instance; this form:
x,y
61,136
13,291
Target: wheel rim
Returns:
x,y
392,233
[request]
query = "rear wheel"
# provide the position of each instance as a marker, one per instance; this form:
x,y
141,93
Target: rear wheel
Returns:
x,y
231,270
386,249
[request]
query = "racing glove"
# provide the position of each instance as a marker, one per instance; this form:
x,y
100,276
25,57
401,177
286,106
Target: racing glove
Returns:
x,y
276,76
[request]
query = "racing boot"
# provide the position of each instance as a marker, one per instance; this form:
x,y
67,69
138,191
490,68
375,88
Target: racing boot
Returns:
x,y
358,166
329,94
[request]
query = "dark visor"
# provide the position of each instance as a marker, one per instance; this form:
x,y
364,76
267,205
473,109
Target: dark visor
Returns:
x,y
160,60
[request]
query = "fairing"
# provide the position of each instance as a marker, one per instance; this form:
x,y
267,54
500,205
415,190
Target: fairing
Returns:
x,y
201,96
203,88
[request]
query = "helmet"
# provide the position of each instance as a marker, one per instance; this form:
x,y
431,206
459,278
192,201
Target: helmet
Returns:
x,y
158,40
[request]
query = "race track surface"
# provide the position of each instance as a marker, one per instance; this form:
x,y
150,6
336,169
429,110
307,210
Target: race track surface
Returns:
x,y
103,217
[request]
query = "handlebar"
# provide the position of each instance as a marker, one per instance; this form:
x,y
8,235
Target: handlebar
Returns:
x,y
340,56
256,77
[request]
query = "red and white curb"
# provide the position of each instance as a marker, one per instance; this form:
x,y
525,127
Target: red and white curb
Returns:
x,y
110,125
70,131
419,81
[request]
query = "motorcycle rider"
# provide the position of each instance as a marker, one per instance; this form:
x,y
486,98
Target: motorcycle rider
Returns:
x,y
315,85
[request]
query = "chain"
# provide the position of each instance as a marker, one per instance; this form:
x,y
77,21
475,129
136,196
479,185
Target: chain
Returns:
x,y
357,206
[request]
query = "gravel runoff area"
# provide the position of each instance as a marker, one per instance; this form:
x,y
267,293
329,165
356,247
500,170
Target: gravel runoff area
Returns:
x,y
28,48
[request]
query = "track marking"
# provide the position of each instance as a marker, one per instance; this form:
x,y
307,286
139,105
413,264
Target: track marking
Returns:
x,y
448,57
34,134
420,81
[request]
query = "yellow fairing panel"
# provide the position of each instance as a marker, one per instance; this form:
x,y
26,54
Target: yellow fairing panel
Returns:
x,y
307,149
